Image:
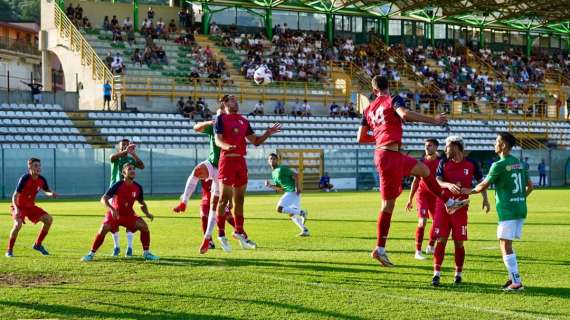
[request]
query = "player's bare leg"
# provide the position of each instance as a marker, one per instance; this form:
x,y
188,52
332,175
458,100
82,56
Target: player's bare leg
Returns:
x,y
383,227
13,235
298,217
514,282
200,172
420,238
142,227
452,205
99,238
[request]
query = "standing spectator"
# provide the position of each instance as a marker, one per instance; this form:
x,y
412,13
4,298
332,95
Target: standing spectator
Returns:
x,y
182,18
279,107
180,106
542,174
150,14
78,12
107,89
70,12
172,26
106,24
525,164
109,59
36,91
131,36
325,183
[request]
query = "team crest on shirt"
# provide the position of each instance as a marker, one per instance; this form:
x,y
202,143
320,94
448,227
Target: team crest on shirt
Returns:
x,y
466,171
236,130
508,168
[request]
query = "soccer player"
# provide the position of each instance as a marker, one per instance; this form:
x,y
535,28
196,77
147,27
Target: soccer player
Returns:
x,y
205,212
119,201
232,130
385,117
206,170
425,199
285,179
24,206
512,187
456,174
125,154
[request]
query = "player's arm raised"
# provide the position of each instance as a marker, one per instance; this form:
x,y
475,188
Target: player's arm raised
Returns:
x,y
138,162
258,140
201,126
414,189
412,116
119,154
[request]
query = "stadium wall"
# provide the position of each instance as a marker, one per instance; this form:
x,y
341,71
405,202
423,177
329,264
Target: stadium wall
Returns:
x,y
85,172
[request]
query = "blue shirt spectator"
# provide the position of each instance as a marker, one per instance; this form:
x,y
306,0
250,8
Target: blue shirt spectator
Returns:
x,y
325,183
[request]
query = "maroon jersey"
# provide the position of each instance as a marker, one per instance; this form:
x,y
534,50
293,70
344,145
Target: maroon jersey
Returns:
x,y
28,188
123,196
206,192
462,173
381,117
423,189
233,128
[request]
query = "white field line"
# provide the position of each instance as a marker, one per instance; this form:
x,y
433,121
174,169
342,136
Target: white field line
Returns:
x,y
407,298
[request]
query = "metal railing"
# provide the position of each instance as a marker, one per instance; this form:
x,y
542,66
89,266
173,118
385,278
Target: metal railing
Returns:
x,y
174,87
78,43
19,45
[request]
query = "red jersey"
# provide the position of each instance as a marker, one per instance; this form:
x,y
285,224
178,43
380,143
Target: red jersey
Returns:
x,y
423,189
462,173
233,128
381,117
28,188
123,196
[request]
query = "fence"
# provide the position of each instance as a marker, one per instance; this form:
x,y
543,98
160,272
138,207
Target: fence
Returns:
x,y
68,100
86,172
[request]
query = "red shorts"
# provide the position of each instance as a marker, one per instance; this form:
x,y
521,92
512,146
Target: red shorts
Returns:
x,y
34,214
128,221
426,205
232,171
392,167
444,223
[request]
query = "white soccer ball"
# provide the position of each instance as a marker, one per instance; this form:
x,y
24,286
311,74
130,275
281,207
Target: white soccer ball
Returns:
x,y
265,80
262,75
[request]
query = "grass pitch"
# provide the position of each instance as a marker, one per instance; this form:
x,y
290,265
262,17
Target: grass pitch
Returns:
x,y
327,276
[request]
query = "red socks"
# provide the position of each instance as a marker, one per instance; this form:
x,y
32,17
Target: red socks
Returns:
x,y
438,256
459,258
239,220
383,227
41,236
419,237
204,220
145,239
230,218
221,222
11,243
97,242
431,236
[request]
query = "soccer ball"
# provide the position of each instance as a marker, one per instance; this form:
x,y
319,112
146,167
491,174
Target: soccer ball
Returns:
x,y
265,80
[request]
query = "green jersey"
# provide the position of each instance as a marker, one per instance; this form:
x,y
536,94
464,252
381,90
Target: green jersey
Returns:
x,y
117,166
214,155
283,177
510,179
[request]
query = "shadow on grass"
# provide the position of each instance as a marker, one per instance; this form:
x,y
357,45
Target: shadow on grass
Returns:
x,y
65,311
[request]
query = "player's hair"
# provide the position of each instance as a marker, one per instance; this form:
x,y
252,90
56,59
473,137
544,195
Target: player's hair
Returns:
x,y
274,155
225,98
456,140
508,139
433,140
32,160
125,165
380,83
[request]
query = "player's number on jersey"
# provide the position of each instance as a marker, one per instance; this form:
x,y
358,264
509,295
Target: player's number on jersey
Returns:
x,y
377,117
517,179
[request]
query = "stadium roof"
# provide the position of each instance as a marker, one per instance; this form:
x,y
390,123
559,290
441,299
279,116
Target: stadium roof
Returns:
x,y
514,14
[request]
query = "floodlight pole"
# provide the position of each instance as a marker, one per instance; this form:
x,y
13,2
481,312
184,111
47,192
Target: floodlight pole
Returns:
x,y
481,38
61,4
268,19
386,24
206,16
432,33
528,43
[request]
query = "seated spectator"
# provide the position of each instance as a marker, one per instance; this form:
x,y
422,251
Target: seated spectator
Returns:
x,y
334,110
258,109
279,107
201,104
138,56
306,109
214,76
206,112
160,55
117,36
297,109
195,76
85,23
325,183
189,109
172,26
78,12
70,12
180,106
127,24
150,14
131,36
109,59
226,79
117,66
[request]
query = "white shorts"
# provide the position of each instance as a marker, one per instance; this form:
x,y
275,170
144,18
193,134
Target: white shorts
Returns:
x,y
290,199
212,175
510,229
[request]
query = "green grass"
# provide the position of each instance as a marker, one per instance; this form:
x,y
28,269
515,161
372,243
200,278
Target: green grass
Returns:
x,y
326,276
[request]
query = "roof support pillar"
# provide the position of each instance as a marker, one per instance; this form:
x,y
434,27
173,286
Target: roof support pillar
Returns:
x,y
528,43
268,20
481,37
206,17
385,29
330,28
432,33
136,14
61,4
